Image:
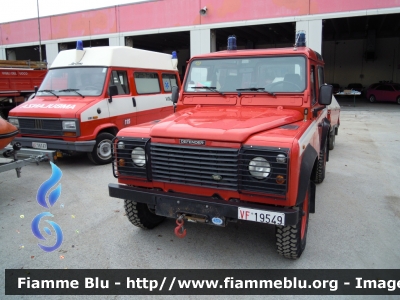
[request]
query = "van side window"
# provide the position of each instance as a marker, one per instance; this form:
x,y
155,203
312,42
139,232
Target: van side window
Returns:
x,y
312,86
321,79
120,79
169,80
147,83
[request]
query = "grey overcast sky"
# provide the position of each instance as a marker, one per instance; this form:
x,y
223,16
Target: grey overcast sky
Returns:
x,y
13,10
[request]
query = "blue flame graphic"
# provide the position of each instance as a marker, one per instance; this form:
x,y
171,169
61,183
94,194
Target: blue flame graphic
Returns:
x,y
36,232
47,185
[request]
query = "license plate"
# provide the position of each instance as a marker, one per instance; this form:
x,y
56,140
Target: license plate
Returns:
x,y
261,216
39,145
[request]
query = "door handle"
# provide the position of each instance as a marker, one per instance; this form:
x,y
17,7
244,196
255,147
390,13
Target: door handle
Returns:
x,y
134,101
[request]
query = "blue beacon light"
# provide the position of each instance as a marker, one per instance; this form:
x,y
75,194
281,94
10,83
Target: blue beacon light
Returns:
x,y
79,45
232,42
174,55
300,39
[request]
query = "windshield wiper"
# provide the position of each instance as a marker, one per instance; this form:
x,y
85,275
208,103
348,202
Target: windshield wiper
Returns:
x,y
257,89
72,90
49,91
210,88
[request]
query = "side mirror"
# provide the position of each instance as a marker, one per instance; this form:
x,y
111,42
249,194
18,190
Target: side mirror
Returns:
x,y
112,91
325,94
175,94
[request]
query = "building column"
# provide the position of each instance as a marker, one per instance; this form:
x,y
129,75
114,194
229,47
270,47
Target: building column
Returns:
x,y
2,53
116,41
313,31
51,53
200,41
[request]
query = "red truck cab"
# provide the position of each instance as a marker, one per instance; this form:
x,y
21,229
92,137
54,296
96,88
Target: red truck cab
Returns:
x,y
248,141
89,94
18,79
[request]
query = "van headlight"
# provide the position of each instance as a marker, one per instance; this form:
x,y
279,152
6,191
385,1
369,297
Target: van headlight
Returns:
x,y
259,168
69,125
138,156
14,122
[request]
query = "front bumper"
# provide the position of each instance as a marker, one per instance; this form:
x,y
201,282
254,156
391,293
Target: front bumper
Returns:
x,y
53,144
174,204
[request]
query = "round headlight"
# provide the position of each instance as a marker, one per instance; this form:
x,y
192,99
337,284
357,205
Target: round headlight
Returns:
x,y
138,156
259,168
121,145
281,158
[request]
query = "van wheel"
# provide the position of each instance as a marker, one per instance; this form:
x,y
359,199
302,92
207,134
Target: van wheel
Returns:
x,y
291,240
321,165
332,140
101,153
398,100
372,99
141,216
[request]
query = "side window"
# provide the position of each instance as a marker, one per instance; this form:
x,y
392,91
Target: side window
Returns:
x,y
169,80
321,79
120,79
147,83
312,86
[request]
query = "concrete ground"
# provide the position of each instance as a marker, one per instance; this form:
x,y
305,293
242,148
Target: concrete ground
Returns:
x,y
355,225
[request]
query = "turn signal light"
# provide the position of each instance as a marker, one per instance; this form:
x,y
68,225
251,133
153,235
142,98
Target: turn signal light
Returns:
x,y
69,133
121,162
280,179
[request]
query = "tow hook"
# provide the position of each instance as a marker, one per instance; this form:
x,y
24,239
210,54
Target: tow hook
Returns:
x,y
180,231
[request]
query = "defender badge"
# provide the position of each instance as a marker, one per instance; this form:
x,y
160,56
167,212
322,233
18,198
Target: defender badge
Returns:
x,y
192,142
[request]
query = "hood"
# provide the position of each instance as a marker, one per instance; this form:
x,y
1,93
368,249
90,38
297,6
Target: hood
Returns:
x,y
63,107
233,124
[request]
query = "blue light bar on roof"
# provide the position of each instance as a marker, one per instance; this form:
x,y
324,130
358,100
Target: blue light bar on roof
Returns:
x,y
232,42
79,45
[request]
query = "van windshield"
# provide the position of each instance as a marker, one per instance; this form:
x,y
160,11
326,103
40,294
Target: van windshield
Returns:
x,y
248,74
84,81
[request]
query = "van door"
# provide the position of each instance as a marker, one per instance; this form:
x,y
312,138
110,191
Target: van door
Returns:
x,y
152,104
123,108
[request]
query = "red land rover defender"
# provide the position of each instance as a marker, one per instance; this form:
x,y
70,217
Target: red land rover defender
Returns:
x,y
248,141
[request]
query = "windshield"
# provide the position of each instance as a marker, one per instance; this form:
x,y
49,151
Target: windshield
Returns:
x,y
258,74
84,81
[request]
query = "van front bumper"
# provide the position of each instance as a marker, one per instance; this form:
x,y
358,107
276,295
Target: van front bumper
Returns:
x,y
53,144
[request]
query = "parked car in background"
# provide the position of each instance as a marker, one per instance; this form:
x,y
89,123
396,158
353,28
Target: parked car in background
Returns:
x,y
384,92
336,88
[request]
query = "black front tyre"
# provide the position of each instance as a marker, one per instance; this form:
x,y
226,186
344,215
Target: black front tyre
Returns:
x,y
291,240
141,216
398,100
101,153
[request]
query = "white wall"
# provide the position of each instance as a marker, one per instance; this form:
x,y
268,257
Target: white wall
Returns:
x,y
200,41
51,52
313,31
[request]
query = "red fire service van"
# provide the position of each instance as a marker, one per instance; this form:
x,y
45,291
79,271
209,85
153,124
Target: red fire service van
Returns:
x,y
248,142
89,94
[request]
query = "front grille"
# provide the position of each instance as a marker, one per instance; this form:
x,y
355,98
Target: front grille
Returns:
x,y
48,127
209,167
196,166
122,158
268,185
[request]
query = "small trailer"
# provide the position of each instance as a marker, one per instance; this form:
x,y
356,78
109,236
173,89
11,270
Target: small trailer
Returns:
x,y
17,157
